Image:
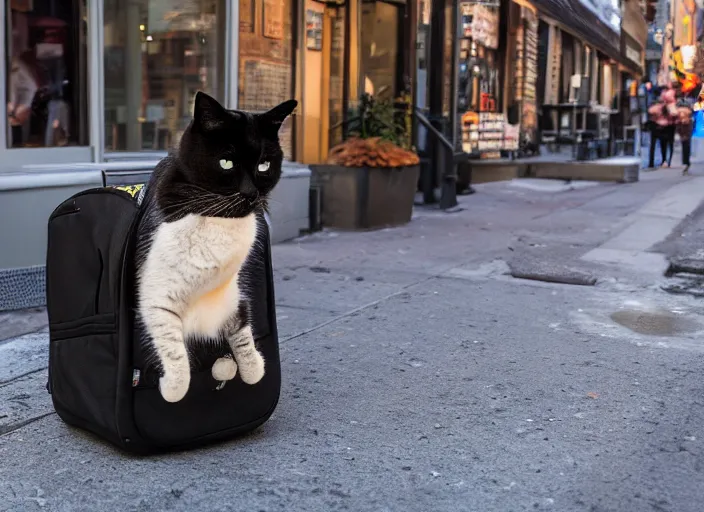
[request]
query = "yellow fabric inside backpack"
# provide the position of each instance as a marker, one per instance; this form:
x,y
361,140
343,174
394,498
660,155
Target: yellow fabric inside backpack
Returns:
x,y
132,190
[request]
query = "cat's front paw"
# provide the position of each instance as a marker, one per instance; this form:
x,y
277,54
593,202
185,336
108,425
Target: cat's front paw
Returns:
x,y
174,386
252,367
224,369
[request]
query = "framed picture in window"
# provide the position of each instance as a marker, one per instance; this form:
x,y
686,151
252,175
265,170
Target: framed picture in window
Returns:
x,y
314,30
273,19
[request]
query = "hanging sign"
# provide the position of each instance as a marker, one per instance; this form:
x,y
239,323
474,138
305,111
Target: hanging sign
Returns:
x,y
485,26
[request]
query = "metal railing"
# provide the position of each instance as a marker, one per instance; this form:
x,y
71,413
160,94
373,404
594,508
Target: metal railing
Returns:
x,y
440,151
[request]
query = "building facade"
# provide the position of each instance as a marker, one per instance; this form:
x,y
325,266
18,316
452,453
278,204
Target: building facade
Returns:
x,y
92,85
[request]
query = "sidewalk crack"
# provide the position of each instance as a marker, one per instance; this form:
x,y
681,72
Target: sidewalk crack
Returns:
x,y
4,383
8,429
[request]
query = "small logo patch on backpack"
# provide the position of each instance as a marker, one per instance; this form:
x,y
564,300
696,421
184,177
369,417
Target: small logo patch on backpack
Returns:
x,y
132,190
135,377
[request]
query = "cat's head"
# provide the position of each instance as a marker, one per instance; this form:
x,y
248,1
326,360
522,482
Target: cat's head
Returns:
x,y
230,160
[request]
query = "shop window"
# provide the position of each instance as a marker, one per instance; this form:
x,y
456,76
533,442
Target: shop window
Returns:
x,y
46,77
479,65
380,48
568,59
266,57
543,65
158,54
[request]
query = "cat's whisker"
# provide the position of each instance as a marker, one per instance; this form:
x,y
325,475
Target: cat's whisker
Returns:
x,y
212,210
184,203
223,208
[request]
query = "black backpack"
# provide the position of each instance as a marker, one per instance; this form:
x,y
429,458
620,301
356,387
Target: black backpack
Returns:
x,y
99,378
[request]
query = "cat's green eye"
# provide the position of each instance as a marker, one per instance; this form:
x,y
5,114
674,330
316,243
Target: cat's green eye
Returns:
x,y
263,167
226,164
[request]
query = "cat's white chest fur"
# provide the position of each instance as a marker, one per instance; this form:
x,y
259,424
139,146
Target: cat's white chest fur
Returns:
x,y
197,260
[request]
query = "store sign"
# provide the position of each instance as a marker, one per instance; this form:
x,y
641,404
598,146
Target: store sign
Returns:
x,y
481,23
632,54
488,132
608,11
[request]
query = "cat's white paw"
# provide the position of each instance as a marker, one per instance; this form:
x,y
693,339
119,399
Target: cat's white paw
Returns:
x,y
173,387
224,368
252,368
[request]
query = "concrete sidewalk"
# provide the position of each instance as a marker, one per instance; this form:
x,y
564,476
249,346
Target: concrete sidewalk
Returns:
x,y
419,376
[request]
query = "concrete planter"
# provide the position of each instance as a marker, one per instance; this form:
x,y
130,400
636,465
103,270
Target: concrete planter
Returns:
x,y
288,206
359,198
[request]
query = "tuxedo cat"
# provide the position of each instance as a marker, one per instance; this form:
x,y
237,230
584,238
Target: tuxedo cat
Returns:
x,y
198,223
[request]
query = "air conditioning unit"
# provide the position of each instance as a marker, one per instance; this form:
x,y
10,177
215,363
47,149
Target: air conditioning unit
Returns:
x,y
575,84
579,89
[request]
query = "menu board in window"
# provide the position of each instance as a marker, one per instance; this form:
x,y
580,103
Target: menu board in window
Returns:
x,y
470,132
267,84
487,132
491,131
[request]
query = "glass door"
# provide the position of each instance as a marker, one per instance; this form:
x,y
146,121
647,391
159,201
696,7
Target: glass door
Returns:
x,y
336,92
324,77
380,48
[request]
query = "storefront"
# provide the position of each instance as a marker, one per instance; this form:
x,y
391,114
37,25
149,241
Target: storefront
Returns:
x,y
464,86
523,71
480,93
582,57
349,48
578,90
92,84
93,81
634,36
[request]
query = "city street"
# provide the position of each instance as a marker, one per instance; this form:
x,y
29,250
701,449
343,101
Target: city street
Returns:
x,y
420,375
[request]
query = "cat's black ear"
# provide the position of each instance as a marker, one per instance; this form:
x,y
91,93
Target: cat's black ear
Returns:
x,y
277,115
208,114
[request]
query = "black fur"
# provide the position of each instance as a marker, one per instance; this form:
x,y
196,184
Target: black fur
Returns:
x,y
190,179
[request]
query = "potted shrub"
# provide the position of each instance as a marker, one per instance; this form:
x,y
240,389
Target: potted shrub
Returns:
x,y
369,180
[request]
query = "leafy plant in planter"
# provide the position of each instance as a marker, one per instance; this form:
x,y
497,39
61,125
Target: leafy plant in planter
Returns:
x,y
370,179
379,138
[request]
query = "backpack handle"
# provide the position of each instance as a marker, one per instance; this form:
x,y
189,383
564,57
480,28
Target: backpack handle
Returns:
x,y
126,177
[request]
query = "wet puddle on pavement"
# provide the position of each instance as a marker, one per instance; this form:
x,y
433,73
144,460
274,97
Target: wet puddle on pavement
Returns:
x,y
655,322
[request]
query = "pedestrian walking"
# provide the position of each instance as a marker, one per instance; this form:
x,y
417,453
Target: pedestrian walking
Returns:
x,y
658,123
684,128
669,99
698,130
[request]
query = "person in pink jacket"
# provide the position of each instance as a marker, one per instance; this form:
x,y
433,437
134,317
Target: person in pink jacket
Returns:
x,y
661,119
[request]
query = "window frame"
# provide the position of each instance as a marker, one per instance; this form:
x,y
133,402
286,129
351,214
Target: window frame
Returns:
x,y
15,159
31,160
35,160
230,60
